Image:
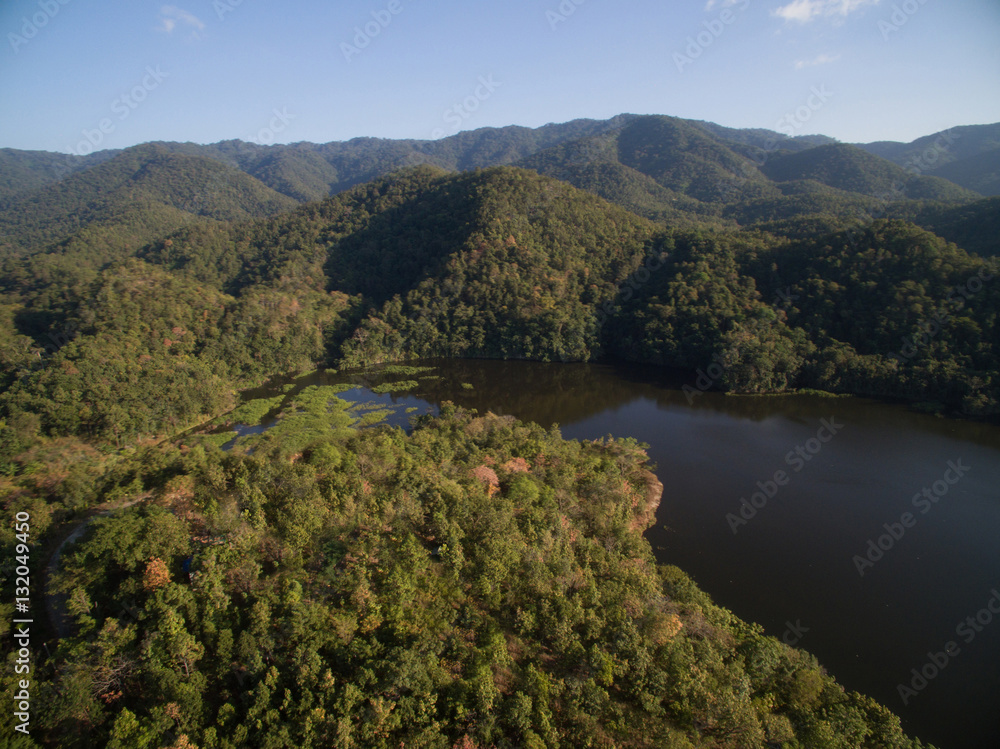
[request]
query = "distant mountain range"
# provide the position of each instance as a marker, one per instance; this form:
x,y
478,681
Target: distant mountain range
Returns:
x,y
684,172
968,156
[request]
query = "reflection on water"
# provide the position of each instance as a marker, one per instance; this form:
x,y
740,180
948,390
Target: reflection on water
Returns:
x,y
790,565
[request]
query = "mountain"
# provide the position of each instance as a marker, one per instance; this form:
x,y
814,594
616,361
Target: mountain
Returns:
x,y
683,158
136,195
665,168
534,260
547,272
593,164
310,171
974,226
853,169
684,173
762,138
500,263
24,171
980,172
968,156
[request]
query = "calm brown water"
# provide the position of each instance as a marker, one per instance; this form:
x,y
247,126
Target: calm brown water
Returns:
x,y
793,563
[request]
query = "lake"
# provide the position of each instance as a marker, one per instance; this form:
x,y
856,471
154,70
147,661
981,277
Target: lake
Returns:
x,y
868,535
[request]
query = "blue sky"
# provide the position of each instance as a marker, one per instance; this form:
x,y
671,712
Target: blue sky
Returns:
x,y
78,75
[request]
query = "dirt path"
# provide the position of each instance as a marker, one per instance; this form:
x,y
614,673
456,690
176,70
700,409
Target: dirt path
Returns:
x,y
55,603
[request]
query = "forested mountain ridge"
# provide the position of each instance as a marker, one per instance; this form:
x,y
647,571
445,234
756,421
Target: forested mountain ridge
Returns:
x,y
973,226
684,299
497,263
310,171
131,198
966,155
24,171
680,172
852,169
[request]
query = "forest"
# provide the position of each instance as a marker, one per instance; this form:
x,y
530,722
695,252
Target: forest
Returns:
x,y
476,582
499,263
472,580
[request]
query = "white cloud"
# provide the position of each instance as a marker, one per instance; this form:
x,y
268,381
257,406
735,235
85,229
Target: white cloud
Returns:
x,y
803,11
819,60
171,15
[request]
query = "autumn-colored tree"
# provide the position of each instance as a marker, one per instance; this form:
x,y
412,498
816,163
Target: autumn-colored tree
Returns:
x,y
156,575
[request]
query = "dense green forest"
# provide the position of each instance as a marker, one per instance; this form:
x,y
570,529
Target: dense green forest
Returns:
x,y
476,581
498,263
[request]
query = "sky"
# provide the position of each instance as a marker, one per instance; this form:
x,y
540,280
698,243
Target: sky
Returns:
x,y
81,75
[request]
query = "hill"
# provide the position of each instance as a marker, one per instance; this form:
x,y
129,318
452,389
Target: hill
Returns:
x,y
310,171
25,171
379,588
683,174
136,195
665,165
852,169
965,155
980,172
475,581
974,227
665,168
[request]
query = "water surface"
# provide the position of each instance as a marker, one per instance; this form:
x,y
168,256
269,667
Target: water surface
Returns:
x,y
791,566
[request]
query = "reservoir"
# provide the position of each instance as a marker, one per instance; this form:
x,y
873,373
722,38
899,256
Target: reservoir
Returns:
x,y
861,531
